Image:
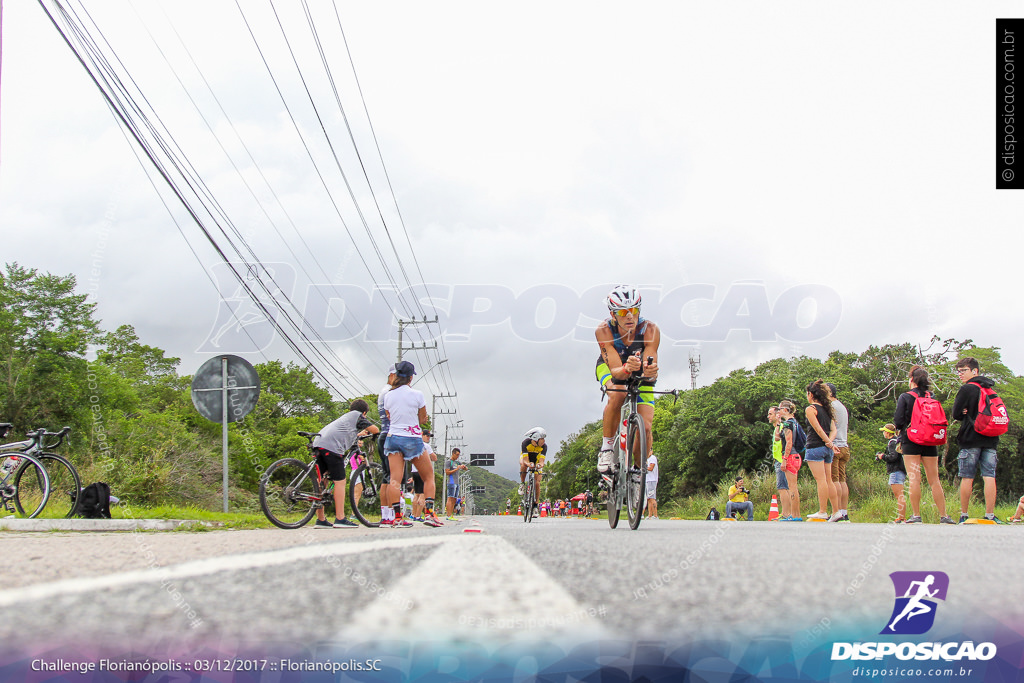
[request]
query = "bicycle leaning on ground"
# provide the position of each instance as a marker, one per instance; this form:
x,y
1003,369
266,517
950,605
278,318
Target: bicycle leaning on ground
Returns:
x,y
19,464
627,483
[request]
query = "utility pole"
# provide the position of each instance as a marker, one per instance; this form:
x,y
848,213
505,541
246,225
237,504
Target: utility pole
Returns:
x,y
402,324
434,413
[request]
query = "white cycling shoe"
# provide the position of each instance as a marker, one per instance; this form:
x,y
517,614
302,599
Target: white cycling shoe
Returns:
x,y
605,462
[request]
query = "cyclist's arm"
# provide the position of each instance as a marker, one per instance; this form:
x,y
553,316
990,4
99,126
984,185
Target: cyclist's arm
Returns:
x,y
652,340
609,355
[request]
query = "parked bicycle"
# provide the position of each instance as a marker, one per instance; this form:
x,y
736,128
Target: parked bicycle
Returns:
x,y
628,481
65,483
24,482
292,490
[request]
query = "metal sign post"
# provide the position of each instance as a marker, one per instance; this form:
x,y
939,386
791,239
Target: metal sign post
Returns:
x,y
222,381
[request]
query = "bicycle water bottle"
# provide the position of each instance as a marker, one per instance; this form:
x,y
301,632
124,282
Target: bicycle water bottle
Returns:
x,y
622,435
10,464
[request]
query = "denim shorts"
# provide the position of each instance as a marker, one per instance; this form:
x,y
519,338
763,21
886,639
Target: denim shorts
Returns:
x,y
969,459
819,454
897,477
781,483
411,447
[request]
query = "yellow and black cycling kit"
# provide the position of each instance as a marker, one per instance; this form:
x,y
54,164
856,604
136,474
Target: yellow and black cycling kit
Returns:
x,y
534,452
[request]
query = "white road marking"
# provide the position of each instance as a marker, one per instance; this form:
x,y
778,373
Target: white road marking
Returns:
x,y
157,573
507,597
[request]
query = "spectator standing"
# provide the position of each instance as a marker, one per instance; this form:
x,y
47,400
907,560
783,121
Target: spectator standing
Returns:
x,y
792,455
781,482
820,445
739,500
330,446
841,457
651,486
407,411
893,459
451,470
977,451
419,498
385,425
916,455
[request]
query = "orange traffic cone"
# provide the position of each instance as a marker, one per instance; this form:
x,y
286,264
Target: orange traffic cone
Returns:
x,y
773,511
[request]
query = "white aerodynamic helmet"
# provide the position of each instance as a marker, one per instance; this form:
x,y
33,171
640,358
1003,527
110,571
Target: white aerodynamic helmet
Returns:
x,y
536,434
623,296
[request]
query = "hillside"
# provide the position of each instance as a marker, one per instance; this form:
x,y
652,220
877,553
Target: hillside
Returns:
x,y
497,490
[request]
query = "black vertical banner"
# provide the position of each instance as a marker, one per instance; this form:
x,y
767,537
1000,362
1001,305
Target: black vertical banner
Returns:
x,y
1009,134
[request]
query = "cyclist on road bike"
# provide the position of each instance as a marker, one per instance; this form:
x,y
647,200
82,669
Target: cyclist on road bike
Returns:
x,y
626,340
334,440
533,451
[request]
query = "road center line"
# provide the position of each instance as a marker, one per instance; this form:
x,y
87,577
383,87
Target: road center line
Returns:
x,y
252,560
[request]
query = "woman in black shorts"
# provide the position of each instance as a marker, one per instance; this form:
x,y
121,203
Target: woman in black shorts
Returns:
x,y
914,455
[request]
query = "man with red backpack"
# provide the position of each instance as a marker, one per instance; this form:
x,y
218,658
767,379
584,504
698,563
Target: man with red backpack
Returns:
x,y
983,418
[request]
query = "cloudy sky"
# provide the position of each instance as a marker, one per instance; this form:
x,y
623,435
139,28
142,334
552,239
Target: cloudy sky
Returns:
x,y
780,179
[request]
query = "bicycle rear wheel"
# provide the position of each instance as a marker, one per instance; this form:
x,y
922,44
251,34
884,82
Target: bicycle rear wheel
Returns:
x,y
636,478
289,493
29,487
364,493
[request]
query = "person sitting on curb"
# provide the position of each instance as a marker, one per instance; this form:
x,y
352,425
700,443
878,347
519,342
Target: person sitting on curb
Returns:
x,y
1018,514
739,500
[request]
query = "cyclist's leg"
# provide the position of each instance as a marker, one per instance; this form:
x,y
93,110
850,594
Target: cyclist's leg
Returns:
x,y
536,474
645,408
612,409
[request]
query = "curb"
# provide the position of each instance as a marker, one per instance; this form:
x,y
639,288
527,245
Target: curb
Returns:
x,y
95,524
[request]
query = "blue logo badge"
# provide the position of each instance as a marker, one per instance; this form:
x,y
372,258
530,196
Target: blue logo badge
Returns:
x,y
916,595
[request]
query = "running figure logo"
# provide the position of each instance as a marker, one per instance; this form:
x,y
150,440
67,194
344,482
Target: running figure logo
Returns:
x,y
916,593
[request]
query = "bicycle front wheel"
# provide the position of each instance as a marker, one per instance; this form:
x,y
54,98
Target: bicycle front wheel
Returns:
x,y
30,487
364,493
613,503
636,478
528,498
65,486
289,493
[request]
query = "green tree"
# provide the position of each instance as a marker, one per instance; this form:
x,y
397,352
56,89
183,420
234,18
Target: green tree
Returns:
x,y
45,331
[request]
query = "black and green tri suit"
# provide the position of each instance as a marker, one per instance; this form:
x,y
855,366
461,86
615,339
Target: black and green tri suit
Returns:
x,y
604,374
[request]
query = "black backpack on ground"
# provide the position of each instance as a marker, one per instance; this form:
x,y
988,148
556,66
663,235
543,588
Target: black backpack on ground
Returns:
x,y
714,515
94,502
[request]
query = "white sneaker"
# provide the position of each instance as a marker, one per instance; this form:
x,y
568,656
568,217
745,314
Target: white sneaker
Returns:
x,y
818,515
522,489
605,462
836,516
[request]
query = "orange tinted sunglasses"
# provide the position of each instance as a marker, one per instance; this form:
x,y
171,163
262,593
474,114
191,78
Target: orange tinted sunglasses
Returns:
x,y
622,312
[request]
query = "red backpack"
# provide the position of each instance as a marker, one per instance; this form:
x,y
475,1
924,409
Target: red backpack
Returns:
x,y
992,418
928,423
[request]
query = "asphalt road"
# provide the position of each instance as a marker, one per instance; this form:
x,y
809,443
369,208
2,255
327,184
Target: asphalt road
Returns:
x,y
560,581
